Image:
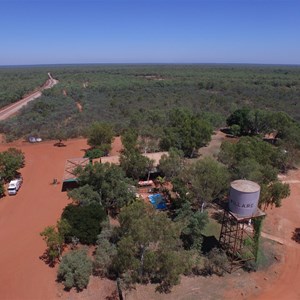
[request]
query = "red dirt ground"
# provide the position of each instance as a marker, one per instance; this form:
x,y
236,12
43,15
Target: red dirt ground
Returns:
x,y
38,204
23,275
22,217
117,146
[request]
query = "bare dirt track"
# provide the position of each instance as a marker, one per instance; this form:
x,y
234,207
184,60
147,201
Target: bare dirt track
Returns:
x,y
282,223
22,217
13,108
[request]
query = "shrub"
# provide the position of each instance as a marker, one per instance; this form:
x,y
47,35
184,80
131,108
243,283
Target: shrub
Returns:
x,y
75,269
216,262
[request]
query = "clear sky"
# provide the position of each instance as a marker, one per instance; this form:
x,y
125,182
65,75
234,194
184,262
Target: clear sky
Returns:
x,y
149,31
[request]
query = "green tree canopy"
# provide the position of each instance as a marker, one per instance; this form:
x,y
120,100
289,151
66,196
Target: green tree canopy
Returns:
x,y
186,132
10,162
84,221
129,139
194,224
110,182
134,164
75,269
100,135
256,121
106,252
251,148
150,247
272,194
54,236
171,165
208,180
253,159
84,195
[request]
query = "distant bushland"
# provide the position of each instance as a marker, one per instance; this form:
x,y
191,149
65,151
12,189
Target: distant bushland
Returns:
x,y
140,96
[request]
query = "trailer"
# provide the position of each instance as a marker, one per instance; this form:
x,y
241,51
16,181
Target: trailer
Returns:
x,y
14,186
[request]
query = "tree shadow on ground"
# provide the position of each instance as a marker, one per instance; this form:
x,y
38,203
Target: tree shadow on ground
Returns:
x,y
296,235
113,296
209,242
45,258
59,144
218,216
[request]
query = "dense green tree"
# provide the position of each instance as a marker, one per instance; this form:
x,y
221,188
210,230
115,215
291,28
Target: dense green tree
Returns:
x,y
194,224
84,195
254,159
110,182
240,118
96,152
183,194
186,132
250,122
85,222
251,148
235,130
250,169
273,194
134,164
256,121
10,162
100,136
149,247
129,139
171,165
208,180
75,269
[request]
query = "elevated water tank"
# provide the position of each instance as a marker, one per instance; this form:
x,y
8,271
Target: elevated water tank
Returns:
x,y
243,198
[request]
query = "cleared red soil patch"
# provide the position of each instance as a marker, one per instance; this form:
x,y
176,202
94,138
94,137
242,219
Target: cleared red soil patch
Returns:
x,y
39,204
117,146
281,223
22,217
213,148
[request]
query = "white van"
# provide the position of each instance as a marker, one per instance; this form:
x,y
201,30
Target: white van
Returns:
x,y
14,186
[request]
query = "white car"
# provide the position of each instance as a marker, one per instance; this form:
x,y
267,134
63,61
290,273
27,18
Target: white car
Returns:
x,y
14,186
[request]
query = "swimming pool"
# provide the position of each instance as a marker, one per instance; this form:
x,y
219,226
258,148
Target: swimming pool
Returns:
x,y
158,201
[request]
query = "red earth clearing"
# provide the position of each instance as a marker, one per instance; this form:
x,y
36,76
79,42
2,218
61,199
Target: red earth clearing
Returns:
x,y
23,275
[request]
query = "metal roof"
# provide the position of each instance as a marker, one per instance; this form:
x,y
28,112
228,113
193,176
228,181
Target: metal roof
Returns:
x,y
115,159
70,167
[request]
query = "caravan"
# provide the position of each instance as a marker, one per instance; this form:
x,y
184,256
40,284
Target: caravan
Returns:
x,y
14,186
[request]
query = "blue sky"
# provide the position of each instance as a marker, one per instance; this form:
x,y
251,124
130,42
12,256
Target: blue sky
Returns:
x,y
149,31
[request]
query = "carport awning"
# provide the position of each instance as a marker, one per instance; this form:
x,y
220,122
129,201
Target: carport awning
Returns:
x,y
71,180
71,165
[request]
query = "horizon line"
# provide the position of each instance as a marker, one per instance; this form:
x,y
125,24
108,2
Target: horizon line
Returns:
x,y
147,63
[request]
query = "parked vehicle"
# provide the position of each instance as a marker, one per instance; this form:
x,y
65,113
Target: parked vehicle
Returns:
x,y
14,186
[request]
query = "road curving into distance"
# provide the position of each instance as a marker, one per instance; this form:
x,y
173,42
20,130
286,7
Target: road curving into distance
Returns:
x,y
13,108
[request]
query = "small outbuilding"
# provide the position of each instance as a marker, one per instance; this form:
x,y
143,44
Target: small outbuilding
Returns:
x,y
70,179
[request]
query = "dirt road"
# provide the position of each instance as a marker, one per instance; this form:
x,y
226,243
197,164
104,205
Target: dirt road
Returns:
x,y
12,109
281,223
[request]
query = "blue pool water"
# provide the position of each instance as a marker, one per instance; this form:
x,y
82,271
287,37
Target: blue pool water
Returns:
x,y
157,201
